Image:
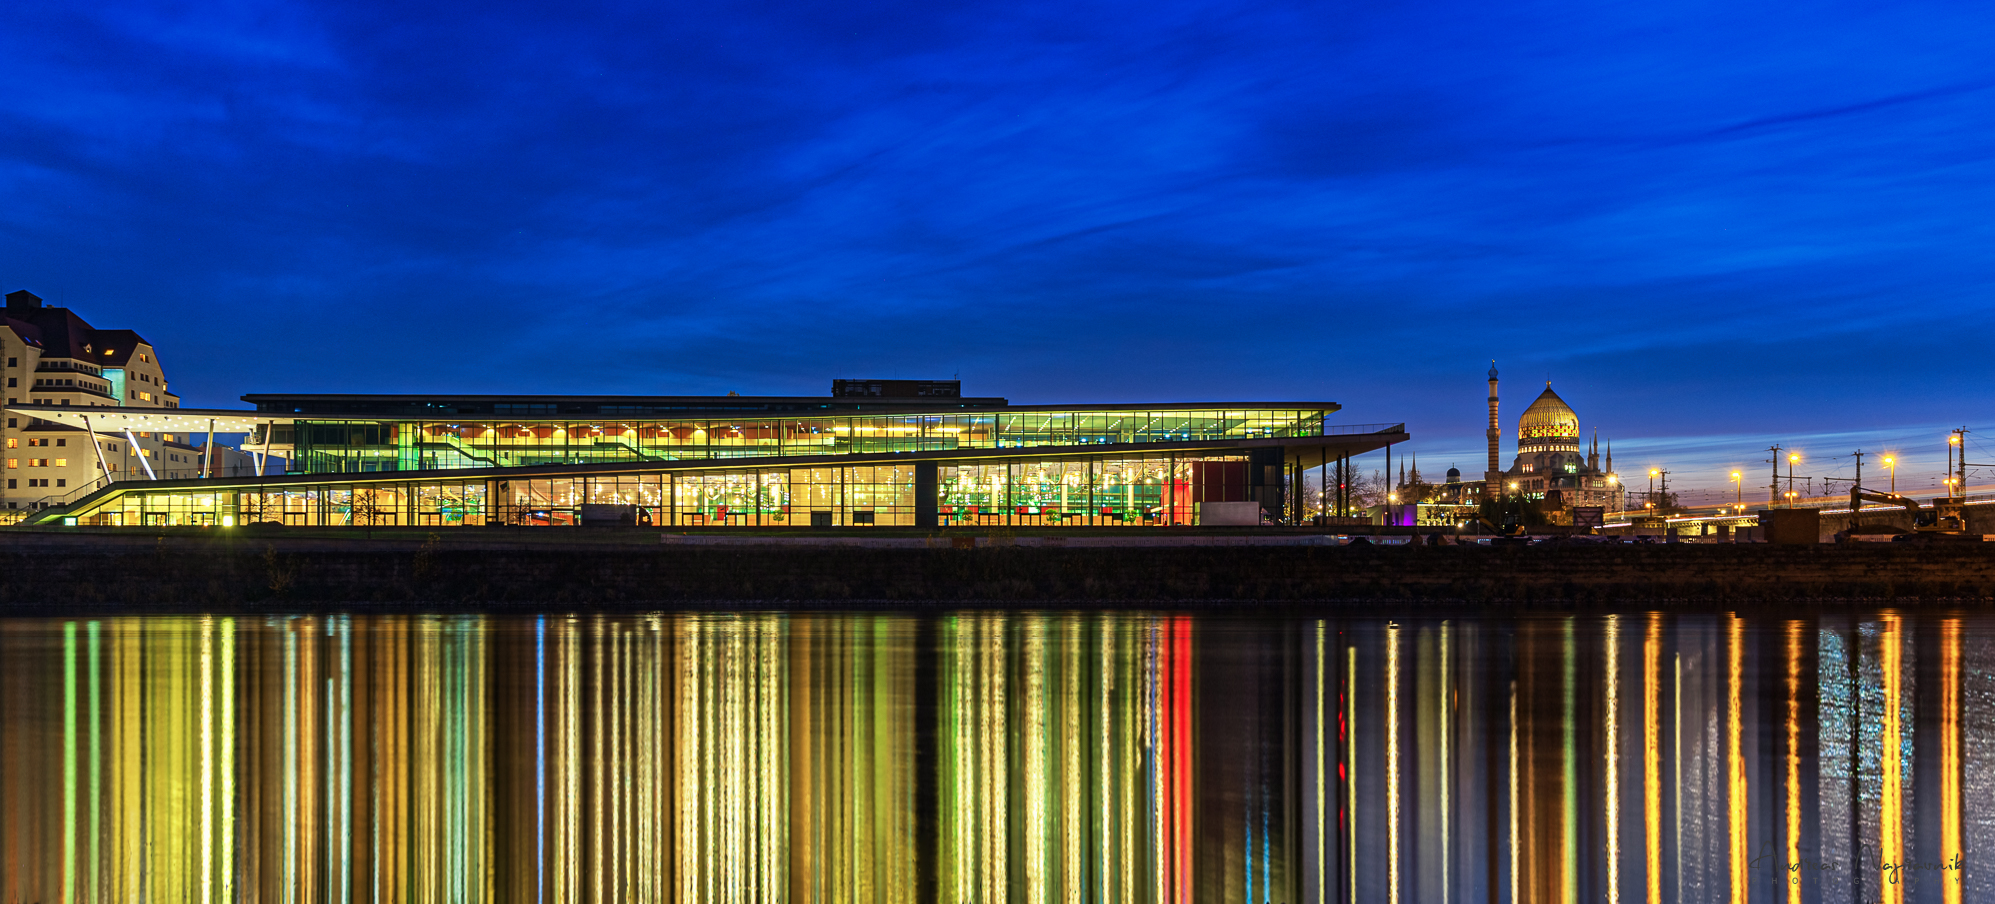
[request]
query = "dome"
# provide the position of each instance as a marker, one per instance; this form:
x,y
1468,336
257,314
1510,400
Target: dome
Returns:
x,y
1454,475
1549,424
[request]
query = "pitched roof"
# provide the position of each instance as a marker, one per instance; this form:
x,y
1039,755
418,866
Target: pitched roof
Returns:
x,y
59,333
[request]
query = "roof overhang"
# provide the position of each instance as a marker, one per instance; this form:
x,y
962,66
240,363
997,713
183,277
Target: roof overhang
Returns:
x,y
176,420
236,420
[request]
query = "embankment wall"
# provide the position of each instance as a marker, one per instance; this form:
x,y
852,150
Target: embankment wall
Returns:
x,y
248,574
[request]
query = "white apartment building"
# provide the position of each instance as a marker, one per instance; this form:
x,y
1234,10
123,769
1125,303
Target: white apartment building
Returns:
x,y
53,357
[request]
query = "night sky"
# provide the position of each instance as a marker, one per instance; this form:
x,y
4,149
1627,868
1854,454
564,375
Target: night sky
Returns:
x,y
1713,226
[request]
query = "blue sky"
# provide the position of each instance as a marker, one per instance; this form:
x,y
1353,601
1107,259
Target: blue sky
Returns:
x,y
1702,221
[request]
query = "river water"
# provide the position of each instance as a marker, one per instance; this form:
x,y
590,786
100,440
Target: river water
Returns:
x,y
982,757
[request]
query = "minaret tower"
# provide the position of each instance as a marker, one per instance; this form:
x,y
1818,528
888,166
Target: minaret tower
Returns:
x,y
1492,487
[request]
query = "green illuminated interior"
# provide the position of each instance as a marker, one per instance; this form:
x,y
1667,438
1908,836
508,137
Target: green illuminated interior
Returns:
x,y
333,447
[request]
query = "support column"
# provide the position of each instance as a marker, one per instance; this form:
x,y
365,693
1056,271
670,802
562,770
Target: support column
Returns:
x,y
97,447
208,456
1340,485
139,451
494,496
925,488
1094,508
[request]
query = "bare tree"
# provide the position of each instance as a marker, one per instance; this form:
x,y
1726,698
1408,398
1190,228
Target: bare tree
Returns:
x,y
1368,491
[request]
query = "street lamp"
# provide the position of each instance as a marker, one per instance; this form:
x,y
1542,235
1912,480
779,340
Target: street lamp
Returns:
x,y
1953,439
1891,464
1738,487
1793,458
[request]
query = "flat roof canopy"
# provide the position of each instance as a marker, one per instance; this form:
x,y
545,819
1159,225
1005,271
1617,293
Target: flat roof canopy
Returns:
x,y
177,420
236,420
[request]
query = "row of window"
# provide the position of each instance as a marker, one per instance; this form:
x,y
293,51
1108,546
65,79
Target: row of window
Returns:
x,y
64,364
37,482
111,448
13,463
61,383
322,447
1136,491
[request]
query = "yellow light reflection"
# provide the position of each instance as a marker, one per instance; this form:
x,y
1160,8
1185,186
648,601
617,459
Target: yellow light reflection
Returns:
x,y
1652,759
1891,809
1951,792
1739,844
1795,633
1612,725
1392,763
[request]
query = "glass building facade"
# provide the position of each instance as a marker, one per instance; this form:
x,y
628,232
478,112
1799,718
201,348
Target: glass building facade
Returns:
x,y
1009,466
362,446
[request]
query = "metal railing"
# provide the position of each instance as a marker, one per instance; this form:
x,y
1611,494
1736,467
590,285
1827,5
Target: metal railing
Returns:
x,y
1356,429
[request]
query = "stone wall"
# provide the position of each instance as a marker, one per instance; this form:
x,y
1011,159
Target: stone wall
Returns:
x,y
253,575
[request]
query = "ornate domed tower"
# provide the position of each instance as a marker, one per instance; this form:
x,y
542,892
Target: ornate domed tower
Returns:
x,y
1548,435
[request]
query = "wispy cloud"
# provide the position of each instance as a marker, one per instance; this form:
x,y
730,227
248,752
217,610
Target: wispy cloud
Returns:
x,y
1710,230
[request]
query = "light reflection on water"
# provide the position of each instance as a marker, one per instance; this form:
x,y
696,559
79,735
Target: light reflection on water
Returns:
x,y
1109,757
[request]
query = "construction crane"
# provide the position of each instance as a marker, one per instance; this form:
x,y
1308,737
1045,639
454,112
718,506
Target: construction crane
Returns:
x,y
1944,519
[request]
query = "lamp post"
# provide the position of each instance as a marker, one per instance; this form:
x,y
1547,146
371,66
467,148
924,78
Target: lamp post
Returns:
x,y
1953,439
1793,458
1652,486
1891,465
1738,487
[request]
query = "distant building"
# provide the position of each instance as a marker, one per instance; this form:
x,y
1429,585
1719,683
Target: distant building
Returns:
x,y
1549,464
53,357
